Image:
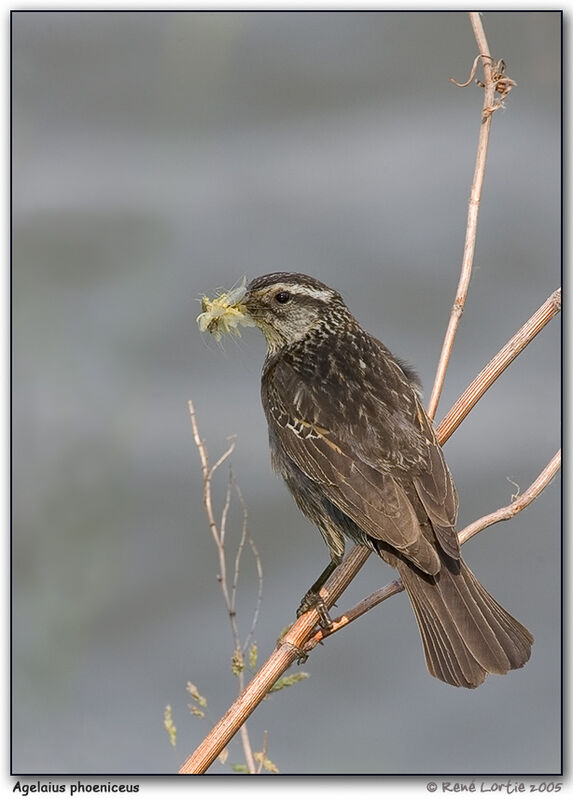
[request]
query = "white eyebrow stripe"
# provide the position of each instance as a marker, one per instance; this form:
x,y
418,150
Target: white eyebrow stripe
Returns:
x,y
318,294
306,291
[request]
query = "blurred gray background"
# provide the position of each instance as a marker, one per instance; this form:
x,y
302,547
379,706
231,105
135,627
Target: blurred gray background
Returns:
x,y
158,156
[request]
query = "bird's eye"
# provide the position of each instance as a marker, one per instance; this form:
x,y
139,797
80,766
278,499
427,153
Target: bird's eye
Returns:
x,y
283,296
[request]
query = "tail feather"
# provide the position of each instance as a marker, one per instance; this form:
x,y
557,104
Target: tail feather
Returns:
x,y
515,639
447,657
474,619
466,634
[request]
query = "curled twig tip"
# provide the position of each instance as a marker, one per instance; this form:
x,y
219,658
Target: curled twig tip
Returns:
x,y
494,76
472,73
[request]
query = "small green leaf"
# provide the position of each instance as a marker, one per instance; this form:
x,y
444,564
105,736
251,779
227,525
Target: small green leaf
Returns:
x,y
197,711
290,679
240,768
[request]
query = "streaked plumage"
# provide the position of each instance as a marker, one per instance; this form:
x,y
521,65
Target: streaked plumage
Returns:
x,y
349,435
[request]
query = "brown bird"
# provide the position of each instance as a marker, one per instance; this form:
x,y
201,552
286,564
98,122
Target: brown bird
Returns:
x,y
350,437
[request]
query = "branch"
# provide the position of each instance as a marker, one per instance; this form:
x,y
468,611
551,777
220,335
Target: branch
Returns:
x,y
493,82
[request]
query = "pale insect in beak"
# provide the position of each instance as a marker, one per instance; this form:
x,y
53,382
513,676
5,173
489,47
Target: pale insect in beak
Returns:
x,y
225,312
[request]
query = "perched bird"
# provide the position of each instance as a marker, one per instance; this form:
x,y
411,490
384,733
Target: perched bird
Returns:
x,y
350,437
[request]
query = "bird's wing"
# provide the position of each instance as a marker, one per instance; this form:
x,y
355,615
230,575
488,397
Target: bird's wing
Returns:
x,y
435,489
355,478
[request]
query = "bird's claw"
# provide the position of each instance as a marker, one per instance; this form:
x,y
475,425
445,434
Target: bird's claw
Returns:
x,y
313,601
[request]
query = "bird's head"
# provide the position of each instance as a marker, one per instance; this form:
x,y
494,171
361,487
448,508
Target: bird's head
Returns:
x,y
286,306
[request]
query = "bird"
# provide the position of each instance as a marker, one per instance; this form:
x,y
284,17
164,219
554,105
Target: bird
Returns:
x,y
350,437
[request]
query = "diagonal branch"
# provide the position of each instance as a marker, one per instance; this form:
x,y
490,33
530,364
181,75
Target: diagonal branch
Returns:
x,y
521,502
497,365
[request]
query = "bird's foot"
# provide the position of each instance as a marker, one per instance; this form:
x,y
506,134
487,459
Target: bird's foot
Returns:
x,y
313,601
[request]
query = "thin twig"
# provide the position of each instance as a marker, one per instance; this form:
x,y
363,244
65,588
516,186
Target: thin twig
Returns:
x,y
208,473
472,73
473,212
218,532
258,603
395,587
226,507
247,748
515,507
264,752
259,567
238,565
